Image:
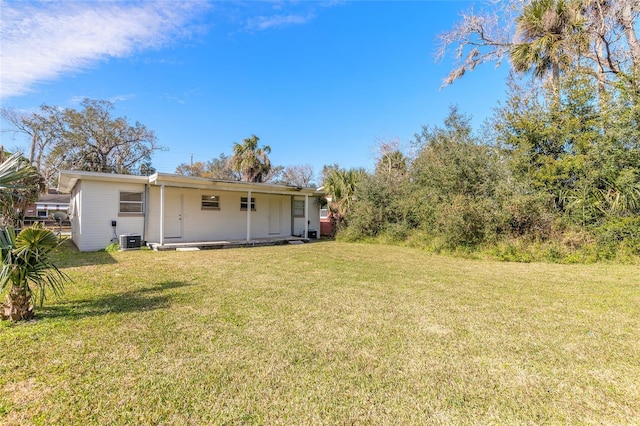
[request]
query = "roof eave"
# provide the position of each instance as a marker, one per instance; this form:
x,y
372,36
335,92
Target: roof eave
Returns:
x,y
69,178
206,183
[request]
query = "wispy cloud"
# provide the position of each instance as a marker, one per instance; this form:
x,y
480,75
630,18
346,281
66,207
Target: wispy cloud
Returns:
x,y
261,23
43,41
78,99
275,14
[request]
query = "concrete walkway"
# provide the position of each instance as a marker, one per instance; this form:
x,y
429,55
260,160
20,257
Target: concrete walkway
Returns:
x,y
211,245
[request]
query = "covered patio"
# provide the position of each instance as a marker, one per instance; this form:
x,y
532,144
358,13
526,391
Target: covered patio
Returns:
x,y
168,212
214,245
173,221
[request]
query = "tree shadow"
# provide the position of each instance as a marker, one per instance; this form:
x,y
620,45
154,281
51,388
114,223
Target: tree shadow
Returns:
x,y
67,255
140,300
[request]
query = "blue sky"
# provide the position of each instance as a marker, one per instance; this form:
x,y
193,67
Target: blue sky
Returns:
x,y
321,82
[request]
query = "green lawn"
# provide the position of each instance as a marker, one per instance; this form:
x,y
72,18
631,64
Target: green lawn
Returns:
x,y
326,333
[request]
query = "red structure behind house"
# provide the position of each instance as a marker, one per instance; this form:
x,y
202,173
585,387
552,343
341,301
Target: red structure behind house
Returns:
x,y
327,225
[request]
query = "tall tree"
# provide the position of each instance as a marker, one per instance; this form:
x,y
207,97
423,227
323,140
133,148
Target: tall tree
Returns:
x,y
41,127
391,163
93,140
251,160
450,160
299,176
605,37
547,32
326,170
89,139
218,168
582,151
613,27
274,175
481,36
197,169
221,168
383,202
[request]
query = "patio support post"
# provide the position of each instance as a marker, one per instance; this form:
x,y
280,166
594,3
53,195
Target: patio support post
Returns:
x,y
145,218
306,216
249,216
162,215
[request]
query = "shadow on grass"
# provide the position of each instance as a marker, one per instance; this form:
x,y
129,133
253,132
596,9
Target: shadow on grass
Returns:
x,y
144,299
68,256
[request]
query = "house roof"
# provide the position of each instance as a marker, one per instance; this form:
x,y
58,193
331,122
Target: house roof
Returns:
x,y
54,199
68,180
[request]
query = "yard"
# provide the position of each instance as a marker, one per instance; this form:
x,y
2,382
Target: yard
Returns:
x,y
326,333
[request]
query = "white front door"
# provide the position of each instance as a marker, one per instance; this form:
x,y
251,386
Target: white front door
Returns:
x,y
275,215
173,212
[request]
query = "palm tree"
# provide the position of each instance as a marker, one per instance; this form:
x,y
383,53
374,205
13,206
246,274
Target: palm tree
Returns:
x,y
251,160
620,196
547,31
20,185
340,189
27,270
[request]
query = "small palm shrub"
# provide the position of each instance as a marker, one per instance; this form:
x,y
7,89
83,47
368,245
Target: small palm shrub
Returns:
x,y
27,272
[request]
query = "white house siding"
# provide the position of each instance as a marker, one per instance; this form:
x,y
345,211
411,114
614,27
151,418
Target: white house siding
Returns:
x,y
95,203
75,213
227,223
98,206
314,217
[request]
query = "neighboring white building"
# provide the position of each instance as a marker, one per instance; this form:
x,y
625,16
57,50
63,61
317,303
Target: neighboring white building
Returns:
x,y
165,208
48,204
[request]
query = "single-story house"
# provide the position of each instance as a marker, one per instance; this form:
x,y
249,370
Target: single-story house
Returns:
x,y
47,204
167,209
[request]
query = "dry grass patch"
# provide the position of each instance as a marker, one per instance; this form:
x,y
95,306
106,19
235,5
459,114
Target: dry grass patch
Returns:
x,y
327,333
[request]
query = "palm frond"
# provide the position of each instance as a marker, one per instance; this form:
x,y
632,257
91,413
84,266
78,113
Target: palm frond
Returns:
x,y
26,262
15,169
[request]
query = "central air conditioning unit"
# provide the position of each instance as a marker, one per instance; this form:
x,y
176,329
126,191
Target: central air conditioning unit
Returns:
x,y
130,241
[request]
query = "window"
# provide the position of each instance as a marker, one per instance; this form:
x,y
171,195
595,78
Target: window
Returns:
x,y
243,203
324,213
298,208
210,202
131,202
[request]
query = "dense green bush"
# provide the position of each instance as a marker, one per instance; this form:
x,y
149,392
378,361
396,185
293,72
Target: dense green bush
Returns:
x,y
463,222
556,178
527,215
621,234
